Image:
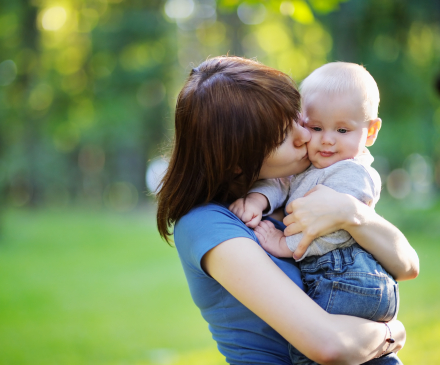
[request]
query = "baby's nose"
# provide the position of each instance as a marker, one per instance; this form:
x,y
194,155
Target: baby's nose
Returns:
x,y
328,138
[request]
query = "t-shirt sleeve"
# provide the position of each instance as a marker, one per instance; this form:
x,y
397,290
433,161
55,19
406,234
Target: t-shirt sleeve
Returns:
x,y
202,229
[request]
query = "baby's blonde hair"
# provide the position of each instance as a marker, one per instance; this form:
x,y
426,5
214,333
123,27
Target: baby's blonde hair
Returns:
x,y
339,77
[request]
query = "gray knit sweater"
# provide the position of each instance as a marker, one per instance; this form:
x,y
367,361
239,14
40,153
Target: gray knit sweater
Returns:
x,y
355,177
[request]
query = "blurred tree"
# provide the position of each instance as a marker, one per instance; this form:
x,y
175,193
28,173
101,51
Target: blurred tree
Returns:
x,y
87,88
83,98
399,43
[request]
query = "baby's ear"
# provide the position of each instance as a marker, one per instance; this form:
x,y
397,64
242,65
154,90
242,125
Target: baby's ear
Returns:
x,y
373,129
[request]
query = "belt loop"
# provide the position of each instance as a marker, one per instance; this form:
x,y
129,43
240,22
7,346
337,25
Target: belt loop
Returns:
x,y
338,261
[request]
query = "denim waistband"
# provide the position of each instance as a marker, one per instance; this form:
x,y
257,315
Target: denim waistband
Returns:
x,y
339,258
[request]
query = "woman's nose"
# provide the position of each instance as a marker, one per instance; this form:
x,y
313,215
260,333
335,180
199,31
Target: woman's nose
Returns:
x,y
301,135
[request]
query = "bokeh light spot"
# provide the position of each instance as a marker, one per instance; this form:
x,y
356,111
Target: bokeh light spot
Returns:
x,y
82,113
41,97
386,48
399,183
293,62
273,37
212,35
420,171
88,20
54,18
155,172
420,44
135,57
251,14
69,61
8,72
121,196
179,9
302,14
287,8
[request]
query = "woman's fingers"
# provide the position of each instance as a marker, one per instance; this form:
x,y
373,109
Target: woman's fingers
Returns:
x,y
292,228
315,188
302,247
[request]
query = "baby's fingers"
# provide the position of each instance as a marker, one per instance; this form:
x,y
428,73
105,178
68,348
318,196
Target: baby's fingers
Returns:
x,y
247,216
266,225
254,221
237,205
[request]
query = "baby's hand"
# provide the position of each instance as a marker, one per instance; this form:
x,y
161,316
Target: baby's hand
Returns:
x,y
251,210
272,239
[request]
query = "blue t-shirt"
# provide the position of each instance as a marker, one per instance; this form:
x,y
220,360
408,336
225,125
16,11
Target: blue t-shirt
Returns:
x,y
241,336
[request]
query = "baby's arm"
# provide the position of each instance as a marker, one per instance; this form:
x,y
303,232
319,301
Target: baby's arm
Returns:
x,y
345,177
250,210
265,196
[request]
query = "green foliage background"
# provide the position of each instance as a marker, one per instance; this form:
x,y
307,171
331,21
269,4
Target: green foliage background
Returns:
x,y
87,88
87,95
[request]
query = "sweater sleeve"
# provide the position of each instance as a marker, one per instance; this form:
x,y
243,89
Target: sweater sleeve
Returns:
x,y
275,190
347,177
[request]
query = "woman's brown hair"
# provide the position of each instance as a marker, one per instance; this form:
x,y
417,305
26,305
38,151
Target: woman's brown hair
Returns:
x,y
230,115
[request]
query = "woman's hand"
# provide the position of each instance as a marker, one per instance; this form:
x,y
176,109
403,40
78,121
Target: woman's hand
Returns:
x,y
323,210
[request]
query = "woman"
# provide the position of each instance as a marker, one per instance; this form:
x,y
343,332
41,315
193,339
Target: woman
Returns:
x,y
236,123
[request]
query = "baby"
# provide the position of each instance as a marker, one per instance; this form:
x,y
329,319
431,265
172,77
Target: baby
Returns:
x,y
340,105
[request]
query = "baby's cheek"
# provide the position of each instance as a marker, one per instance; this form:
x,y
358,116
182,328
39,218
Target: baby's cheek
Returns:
x,y
310,147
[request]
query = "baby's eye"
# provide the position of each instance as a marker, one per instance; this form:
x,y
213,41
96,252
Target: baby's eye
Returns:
x,y
317,129
342,130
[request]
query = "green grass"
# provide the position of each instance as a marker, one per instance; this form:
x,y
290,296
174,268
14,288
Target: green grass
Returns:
x,y
80,287
419,298
94,288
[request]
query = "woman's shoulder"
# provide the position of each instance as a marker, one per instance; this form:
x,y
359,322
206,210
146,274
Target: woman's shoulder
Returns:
x,y
210,218
206,226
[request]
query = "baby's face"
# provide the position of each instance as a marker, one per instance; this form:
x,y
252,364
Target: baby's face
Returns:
x,y
337,126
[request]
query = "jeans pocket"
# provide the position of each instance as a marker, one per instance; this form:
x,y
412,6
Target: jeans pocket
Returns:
x,y
354,300
312,287
392,302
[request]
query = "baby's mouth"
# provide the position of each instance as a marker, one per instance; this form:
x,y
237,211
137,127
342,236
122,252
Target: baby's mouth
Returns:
x,y
326,153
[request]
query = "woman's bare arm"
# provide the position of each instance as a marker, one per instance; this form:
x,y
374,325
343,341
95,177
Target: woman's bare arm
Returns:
x,y
242,267
324,210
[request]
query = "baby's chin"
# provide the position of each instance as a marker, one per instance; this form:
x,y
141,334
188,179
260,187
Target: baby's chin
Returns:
x,y
322,163
319,165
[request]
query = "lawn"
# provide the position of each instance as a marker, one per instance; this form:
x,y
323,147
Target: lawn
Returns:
x,y
80,287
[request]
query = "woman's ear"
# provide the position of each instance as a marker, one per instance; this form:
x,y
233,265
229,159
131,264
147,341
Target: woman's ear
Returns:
x,y
373,130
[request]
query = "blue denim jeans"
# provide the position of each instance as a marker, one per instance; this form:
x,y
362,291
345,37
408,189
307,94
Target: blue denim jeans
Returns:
x,y
350,281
